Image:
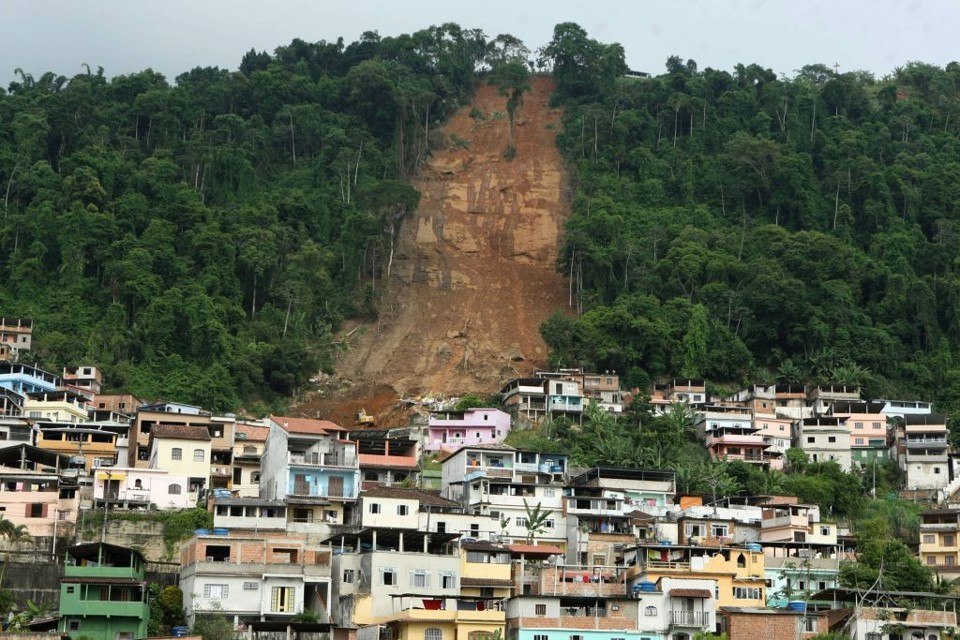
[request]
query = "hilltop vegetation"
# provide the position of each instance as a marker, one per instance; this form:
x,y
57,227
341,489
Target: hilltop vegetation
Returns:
x,y
743,226
201,239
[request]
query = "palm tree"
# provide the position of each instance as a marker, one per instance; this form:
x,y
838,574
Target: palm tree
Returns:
x,y
14,534
536,522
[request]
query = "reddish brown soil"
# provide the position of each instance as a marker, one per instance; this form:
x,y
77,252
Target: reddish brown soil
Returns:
x,y
474,273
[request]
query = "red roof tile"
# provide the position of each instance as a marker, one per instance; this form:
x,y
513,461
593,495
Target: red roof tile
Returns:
x,y
306,425
180,432
533,549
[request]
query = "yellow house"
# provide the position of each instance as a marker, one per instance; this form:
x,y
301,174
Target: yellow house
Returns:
x,y
96,447
738,572
421,624
56,406
182,450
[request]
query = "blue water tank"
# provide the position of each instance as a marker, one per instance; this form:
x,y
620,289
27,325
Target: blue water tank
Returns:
x,y
797,606
647,587
202,532
179,632
221,531
753,546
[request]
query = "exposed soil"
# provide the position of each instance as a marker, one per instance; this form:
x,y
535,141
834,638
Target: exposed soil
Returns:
x,y
474,273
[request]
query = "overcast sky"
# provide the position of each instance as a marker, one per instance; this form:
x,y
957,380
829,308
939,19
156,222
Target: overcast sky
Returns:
x,y
172,36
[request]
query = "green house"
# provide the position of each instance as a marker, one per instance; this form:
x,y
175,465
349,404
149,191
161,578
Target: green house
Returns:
x,y
103,593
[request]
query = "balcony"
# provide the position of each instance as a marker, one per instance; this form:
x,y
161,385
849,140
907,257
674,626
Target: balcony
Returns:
x,y
924,455
697,619
573,404
736,439
321,460
592,581
221,472
947,527
797,521
931,443
106,608
321,493
228,567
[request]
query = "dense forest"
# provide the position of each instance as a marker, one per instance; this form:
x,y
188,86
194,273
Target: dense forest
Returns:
x,y
748,227
201,240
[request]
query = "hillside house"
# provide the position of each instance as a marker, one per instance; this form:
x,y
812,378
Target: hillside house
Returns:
x,y
922,447
148,417
103,593
132,488
38,489
254,576
183,451
311,465
249,443
824,439
450,430
868,430
24,379
16,335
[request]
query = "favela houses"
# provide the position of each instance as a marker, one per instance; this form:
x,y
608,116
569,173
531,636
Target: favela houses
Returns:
x,y
449,336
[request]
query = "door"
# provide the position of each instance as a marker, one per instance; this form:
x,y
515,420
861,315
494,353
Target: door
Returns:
x,y
335,485
300,485
113,489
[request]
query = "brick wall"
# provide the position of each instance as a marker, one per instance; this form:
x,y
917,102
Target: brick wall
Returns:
x,y
745,626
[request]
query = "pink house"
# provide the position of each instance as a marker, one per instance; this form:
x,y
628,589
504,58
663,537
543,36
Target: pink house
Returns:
x,y
450,430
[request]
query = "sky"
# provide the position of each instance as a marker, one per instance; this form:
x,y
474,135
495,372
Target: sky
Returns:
x,y
173,36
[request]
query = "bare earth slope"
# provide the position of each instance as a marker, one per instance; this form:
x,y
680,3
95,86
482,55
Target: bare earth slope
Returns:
x,y
475,269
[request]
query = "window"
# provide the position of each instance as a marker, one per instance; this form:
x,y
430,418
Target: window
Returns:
x,y
402,509
448,580
949,560
176,453
929,538
576,637
255,477
388,576
874,636
821,585
650,611
824,531
858,440
948,540
74,625
251,586
876,425
540,610
419,578
541,636
433,633
831,438
198,455
809,624
216,591
374,507
931,560
282,599
70,589
747,593
549,493
522,521
348,576
35,510
548,524
858,425
811,439
936,469
718,531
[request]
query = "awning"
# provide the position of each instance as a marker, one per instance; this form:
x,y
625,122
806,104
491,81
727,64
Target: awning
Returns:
x,y
690,593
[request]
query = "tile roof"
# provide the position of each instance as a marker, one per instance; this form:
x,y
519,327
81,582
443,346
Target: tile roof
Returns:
x,y
180,432
485,582
543,549
690,593
252,432
786,500
428,498
306,425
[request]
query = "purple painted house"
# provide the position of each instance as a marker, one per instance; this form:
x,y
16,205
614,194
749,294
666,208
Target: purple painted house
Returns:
x,y
450,430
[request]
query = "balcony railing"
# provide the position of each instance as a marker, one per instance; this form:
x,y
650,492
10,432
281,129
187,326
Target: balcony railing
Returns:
x,y
913,443
321,492
321,460
689,618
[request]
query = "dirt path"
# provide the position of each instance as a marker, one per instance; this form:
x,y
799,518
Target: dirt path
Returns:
x,y
474,274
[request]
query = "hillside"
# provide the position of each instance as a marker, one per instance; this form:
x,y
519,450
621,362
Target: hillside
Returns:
x,y
474,273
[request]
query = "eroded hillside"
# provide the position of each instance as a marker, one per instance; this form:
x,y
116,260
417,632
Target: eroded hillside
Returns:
x,y
475,270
